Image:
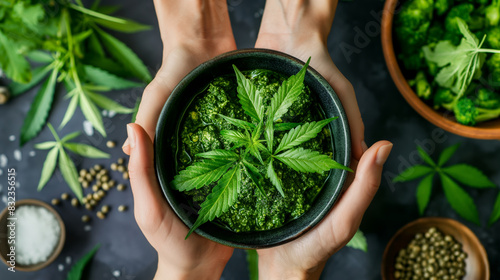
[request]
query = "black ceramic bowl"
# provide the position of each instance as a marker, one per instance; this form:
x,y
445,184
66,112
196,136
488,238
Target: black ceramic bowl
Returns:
x,y
172,114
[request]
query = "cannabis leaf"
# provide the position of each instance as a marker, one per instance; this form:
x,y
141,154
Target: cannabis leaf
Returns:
x,y
223,195
250,98
247,153
201,174
458,198
305,160
253,264
76,270
358,241
66,165
495,214
301,134
70,45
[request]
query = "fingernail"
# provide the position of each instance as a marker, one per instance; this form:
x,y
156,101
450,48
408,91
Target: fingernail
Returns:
x,y
131,136
126,143
364,146
383,153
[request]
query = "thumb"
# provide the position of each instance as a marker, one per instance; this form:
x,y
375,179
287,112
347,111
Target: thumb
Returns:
x,y
348,212
149,206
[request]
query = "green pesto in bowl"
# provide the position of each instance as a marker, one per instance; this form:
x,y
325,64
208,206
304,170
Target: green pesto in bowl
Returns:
x,y
199,132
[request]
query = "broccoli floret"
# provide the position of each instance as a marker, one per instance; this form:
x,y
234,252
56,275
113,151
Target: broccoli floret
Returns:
x,y
466,112
422,86
487,99
412,23
493,37
492,13
444,97
462,11
435,34
493,65
441,6
412,61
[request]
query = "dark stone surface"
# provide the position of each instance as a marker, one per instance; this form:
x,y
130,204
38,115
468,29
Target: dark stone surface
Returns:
x,y
385,113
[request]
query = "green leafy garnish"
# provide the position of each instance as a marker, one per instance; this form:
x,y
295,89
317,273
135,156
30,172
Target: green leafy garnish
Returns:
x,y
66,165
252,152
253,264
358,241
459,62
69,43
458,198
76,270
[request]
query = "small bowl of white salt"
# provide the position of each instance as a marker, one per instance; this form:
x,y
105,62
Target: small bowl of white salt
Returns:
x,y
32,235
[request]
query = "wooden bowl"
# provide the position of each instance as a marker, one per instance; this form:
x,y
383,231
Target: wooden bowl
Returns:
x,y
476,263
485,130
4,246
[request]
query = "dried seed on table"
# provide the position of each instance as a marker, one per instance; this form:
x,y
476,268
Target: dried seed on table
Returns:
x,y
105,209
111,144
104,178
88,206
89,177
84,200
113,166
122,208
92,171
64,196
95,188
111,183
97,167
120,187
85,184
120,161
125,175
121,168
4,95
105,186
85,218
100,215
83,172
74,202
55,201
96,196
93,203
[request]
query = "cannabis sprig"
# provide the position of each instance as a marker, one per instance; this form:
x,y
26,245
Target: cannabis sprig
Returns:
x,y
252,146
72,48
58,156
458,198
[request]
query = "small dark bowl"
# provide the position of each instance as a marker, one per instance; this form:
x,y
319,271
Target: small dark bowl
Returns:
x,y
172,114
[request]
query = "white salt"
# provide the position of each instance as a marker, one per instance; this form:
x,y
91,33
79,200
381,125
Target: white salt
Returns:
x,y
104,113
17,155
88,128
32,153
68,260
87,228
60,267
1,172
37,234
111,114
116,273
12,138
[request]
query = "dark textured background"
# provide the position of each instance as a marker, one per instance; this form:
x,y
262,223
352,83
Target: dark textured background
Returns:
x,y
385,113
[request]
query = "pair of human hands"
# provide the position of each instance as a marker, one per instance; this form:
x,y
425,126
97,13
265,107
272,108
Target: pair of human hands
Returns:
x,y
192,32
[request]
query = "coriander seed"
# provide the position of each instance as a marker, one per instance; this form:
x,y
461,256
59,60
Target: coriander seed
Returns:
x,y
120,187
64,196
100,215
105,209
121,168
97,167
126,175
120,161
55,201
85,218
122,208
113,166
111,144
74,202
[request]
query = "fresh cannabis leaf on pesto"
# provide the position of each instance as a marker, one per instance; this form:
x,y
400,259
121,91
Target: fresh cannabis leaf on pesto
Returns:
x,y
66,165
250,151
458,198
